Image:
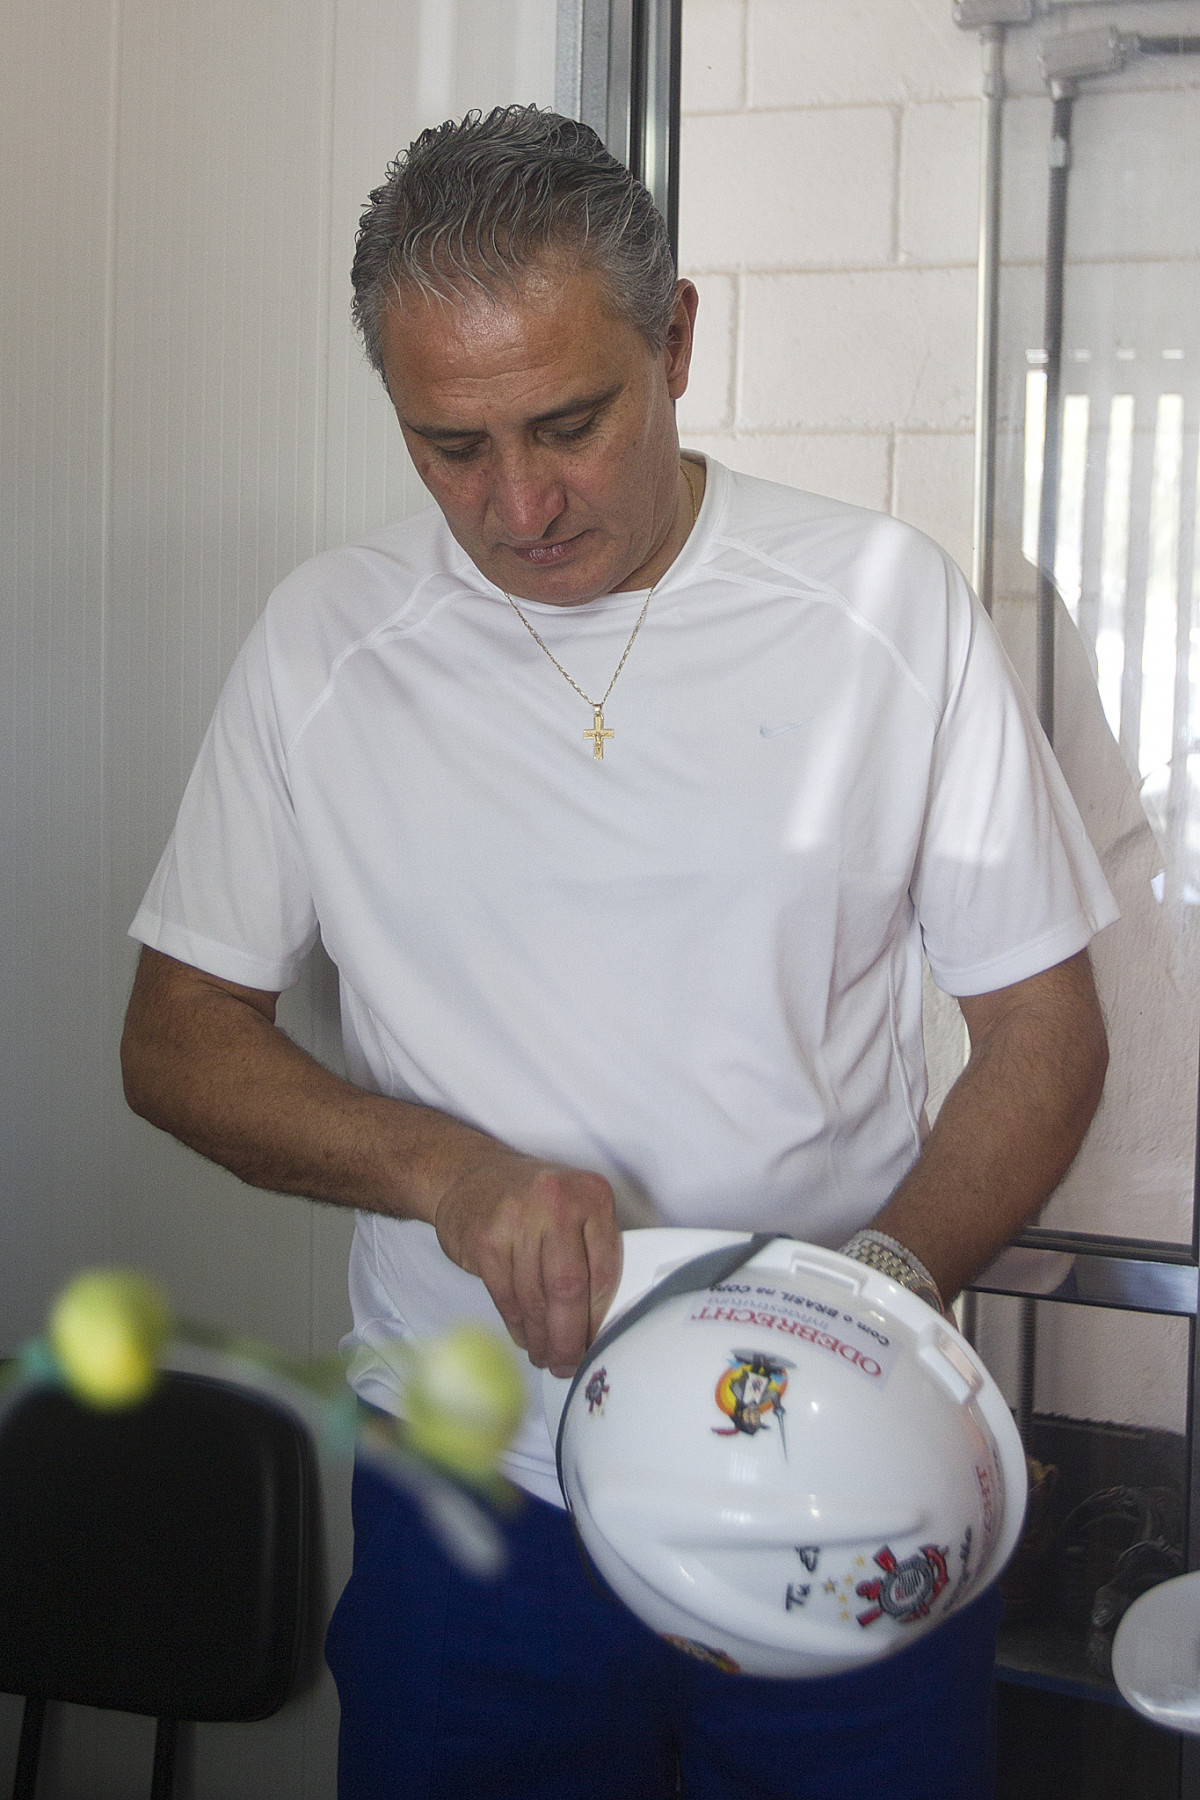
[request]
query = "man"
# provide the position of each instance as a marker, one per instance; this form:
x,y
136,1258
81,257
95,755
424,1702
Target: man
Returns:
x,y
623,792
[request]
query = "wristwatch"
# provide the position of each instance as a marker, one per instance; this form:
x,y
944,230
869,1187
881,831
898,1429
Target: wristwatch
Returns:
x,y
878,1251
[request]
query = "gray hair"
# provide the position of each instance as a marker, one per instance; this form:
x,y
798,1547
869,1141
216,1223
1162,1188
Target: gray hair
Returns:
x,y
478,204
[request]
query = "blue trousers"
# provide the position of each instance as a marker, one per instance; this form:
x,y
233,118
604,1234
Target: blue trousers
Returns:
x,y
542,1686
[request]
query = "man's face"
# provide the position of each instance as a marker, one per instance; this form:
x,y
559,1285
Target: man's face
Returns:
x,y
544,427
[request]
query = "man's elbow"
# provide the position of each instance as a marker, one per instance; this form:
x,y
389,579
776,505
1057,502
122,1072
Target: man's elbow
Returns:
x,y
1097,1068
150,1030
138,1063
1091,1056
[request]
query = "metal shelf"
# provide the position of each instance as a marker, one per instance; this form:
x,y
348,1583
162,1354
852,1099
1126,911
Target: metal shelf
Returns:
x,y
1128,1277
1048,1655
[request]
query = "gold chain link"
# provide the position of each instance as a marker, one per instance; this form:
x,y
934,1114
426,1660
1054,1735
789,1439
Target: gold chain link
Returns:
x,y
597,706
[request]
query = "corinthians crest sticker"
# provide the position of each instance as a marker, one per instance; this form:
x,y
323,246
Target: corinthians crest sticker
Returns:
x,y
750,1390
596,1391
907,1589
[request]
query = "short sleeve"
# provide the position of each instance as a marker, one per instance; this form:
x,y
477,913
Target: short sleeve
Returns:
x,y
231,894
1006,883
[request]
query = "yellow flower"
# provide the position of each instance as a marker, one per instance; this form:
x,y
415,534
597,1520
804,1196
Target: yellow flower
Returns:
x,y
107,1328
463,1400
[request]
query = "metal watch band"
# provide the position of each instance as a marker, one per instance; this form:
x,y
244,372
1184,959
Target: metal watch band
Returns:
x,y
878,1251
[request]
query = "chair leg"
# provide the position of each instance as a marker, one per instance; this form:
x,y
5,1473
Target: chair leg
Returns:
x,y
30,1748
165,1739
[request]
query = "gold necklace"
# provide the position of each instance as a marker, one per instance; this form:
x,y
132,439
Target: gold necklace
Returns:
x,y
597,730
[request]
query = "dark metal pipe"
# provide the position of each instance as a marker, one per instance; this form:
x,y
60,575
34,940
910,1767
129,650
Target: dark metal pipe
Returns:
x,y
638,65
987,310
1028,1370
1056,252
674,91
1056,247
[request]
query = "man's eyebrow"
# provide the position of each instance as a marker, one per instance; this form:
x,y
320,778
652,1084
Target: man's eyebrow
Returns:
x,y
589,403
445,434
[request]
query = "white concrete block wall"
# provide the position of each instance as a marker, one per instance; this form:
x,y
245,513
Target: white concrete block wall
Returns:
x,y
864,350
855,466
939,183
828,196
1126,1368
714,55
710,395
827,52
830,169
933,487
830,176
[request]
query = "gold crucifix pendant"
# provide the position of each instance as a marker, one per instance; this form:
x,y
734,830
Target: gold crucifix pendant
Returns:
x,y
597,732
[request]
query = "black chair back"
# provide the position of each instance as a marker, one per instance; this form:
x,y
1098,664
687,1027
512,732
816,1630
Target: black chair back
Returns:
x,y
159,1560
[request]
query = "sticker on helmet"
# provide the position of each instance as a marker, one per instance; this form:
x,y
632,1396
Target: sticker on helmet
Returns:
x,y
752,1388
717,1659
596,1391
842,1588
986,1480
907,1589
797,1594
852,1340
964,1562
810,1556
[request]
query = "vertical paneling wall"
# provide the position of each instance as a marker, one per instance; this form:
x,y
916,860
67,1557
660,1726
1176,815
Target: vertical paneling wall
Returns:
x,y
184,415
56,135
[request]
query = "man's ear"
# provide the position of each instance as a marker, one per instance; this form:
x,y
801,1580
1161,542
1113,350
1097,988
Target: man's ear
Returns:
x,y
677,351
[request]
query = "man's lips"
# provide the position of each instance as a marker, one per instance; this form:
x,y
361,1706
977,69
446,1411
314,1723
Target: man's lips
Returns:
x,y
541,556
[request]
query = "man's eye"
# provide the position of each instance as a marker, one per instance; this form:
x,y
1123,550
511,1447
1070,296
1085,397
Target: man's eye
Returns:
x,y
572,434
457,452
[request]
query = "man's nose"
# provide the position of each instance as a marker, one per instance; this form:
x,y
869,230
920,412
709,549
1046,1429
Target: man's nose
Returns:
x,y
527,496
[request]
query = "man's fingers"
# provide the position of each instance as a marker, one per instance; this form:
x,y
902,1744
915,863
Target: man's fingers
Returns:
x,y
602,1241
499,1277
543,1239
566,1282
530,1294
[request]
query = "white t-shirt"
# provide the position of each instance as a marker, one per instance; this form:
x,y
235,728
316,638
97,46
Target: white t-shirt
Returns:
x,y
694,965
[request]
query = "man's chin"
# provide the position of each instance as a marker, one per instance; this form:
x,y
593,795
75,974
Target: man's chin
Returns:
x,y
570,580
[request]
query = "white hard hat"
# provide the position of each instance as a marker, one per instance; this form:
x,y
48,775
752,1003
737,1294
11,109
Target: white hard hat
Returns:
x,y
790,1466
1154,1654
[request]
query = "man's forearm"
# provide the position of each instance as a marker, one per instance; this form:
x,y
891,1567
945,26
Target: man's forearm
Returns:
x,y
1010,1126
206,1062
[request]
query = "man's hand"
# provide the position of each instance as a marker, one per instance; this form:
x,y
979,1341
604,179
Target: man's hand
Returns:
x,y
204,1060
543,1239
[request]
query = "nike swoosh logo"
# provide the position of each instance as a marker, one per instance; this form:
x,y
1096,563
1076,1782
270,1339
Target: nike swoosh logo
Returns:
x,y
770,731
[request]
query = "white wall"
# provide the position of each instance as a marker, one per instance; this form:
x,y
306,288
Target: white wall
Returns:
x,y
184,415
816,138
829,215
